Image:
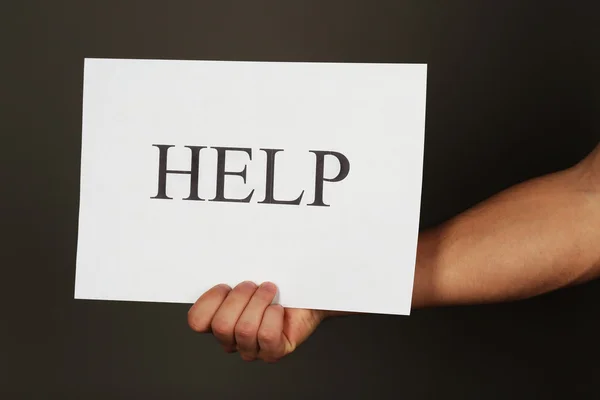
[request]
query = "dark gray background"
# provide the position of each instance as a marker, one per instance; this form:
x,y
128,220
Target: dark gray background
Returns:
x,y
513,92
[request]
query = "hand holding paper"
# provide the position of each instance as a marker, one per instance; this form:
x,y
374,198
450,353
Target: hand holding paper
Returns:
x,y
245,320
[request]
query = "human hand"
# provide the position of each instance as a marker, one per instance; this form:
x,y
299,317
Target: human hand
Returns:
x,y
244,320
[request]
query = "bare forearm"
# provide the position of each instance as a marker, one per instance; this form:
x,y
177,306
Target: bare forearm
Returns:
x,y
531,239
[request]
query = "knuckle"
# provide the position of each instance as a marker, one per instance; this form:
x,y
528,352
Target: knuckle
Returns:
x,y
248,358
221,327
271,356
197,323
245,329
268,336
229,348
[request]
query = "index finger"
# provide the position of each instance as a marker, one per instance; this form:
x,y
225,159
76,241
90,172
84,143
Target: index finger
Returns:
x,y
201,313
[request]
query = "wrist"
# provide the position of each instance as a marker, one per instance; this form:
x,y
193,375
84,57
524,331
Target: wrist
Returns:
x,y
426,285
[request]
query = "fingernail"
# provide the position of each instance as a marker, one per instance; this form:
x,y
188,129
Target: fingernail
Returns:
x,y
269,286
247,284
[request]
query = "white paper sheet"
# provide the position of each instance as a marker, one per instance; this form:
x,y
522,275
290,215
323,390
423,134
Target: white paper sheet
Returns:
x,y
355,254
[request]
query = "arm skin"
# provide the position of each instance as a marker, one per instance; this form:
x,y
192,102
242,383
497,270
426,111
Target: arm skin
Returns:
x,y
533,238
